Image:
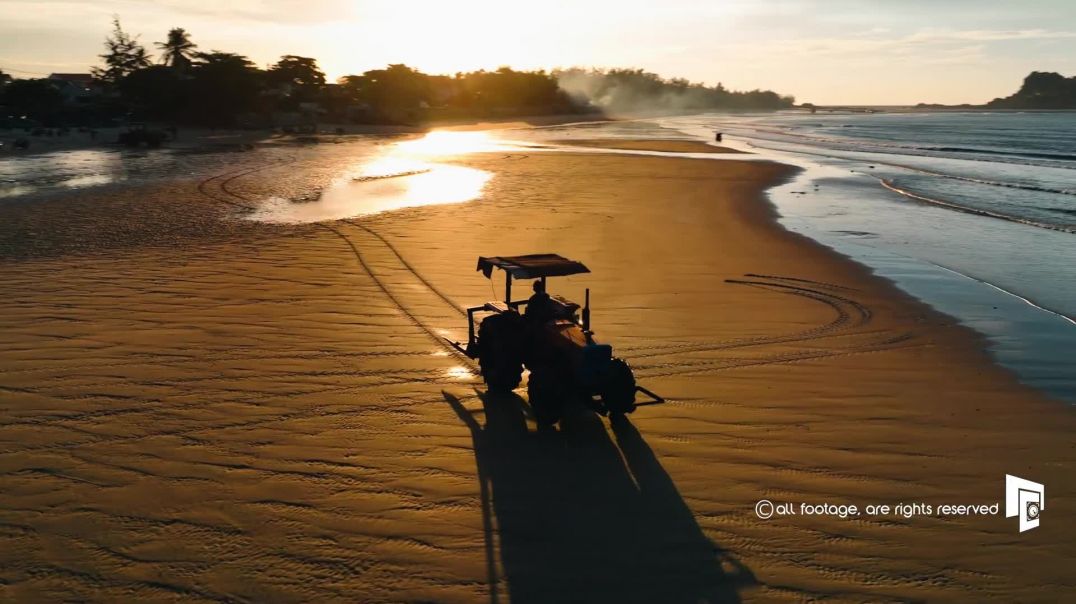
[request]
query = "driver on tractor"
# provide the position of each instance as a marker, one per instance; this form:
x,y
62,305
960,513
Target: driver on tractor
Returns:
x,y
540,306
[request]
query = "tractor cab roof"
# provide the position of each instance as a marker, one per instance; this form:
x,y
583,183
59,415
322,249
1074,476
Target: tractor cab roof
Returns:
x,y
531,266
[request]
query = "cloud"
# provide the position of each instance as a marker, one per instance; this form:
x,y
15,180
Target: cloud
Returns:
x,y
953,42
282,12
980,35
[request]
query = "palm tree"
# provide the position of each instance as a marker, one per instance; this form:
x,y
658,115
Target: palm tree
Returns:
x,y
178,49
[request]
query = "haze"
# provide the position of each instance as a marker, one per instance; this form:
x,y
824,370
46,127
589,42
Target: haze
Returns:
x,y
836,52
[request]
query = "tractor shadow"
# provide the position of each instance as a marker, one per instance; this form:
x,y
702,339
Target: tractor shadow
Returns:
x,y
581,517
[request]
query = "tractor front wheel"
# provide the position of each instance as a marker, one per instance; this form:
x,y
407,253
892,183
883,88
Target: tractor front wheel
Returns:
x,y
500,356
618,387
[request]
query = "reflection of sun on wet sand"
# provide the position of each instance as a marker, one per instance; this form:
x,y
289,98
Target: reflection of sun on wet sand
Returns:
x,y
199,407
405,176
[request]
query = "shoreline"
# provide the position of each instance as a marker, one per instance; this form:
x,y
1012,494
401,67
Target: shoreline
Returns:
x,y
908,277
857,213
263,387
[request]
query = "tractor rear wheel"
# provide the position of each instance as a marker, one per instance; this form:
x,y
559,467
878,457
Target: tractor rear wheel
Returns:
x,y
546,395
618,387
500,351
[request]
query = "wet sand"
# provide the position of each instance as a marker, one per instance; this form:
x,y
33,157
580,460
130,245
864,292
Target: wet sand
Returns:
x,y
665,146
232,411
197,139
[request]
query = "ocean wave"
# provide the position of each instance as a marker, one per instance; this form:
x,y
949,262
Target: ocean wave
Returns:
x,y
983,181
822,152
1032,154
888,184
850,145
1023,299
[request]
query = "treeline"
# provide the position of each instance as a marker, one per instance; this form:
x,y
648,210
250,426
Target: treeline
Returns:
x,y
188,86
1041,90
635,90
400,93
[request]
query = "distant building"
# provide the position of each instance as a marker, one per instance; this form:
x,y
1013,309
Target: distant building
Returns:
x,y
76,87
83,80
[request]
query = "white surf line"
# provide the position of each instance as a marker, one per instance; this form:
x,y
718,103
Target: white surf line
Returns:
x,y
882,181
1005,291
818,142
909,194
890,186
979,212
883,159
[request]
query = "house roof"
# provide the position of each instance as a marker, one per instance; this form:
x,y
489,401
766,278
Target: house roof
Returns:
x,y
531,266
84,79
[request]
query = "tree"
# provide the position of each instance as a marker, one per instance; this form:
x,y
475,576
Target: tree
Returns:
x,y
296,70
223,85
178,49
155,92
124,56
394,93
299,75
508,89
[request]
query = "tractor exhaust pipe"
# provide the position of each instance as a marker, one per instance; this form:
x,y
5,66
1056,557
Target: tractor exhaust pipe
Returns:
x,y
586,313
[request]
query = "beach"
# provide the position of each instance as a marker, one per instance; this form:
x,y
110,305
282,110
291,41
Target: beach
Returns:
x,y
201,407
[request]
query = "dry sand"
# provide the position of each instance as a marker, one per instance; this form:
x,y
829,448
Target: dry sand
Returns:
x,y
230,411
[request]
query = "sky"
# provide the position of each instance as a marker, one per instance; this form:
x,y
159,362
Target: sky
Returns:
x,y
862,52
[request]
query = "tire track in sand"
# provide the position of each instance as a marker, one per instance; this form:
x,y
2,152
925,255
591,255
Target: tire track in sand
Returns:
x,y
242,201
851,315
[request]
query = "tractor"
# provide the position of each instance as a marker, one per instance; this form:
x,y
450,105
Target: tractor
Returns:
x,y
545,335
